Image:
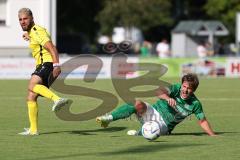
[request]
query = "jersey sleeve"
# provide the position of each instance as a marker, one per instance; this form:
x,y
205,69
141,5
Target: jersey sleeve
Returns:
x,y
198,111
174,89
41,36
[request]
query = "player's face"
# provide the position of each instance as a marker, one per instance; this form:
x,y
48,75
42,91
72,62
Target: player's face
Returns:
x,y
186,90
140,107
25,21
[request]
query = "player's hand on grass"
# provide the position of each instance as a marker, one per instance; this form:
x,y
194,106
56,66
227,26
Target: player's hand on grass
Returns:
x,y
171,102
214,135
56,72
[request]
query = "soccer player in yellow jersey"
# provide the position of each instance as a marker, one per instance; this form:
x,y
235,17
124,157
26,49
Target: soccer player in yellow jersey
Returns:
x,y
47,68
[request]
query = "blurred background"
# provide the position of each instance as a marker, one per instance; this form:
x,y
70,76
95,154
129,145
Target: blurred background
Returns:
x,y
187,36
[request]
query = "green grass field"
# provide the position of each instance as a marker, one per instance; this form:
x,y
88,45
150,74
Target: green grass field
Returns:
x,y
62,140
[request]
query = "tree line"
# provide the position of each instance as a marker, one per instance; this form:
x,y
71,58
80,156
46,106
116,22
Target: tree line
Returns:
x,y
155,18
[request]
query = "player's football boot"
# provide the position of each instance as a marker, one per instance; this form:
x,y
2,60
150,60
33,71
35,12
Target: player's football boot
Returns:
x,y
27,132
59,104
104,121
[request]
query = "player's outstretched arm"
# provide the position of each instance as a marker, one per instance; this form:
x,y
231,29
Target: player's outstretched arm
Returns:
x,y
206,127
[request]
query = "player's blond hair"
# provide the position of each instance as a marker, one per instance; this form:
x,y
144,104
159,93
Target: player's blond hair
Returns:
x,y
25,11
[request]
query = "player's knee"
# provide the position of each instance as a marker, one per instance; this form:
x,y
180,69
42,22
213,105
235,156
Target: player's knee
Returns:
x,y
31,96
31,86
140,107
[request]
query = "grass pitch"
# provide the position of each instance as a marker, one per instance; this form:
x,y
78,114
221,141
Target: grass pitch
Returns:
x,y
62,140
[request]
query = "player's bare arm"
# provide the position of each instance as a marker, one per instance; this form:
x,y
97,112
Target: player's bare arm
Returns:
x,y
163,94
206,127
54,53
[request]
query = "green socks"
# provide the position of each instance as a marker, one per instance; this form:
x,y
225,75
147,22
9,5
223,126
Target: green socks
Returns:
x,y
123,111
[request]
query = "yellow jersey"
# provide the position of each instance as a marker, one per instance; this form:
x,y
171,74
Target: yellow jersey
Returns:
x,y
38,37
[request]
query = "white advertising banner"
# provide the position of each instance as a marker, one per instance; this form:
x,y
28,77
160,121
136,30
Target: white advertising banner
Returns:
x,y
21,68
233,67
16,68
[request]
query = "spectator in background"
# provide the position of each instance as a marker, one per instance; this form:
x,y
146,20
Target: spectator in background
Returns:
x,y
233,49
145,49
202,50
221,49
163,49
209,47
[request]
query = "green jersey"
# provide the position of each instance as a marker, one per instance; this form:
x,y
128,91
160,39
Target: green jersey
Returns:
x,y
183,108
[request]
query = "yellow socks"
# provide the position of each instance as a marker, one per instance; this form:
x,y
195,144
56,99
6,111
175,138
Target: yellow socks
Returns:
x,y
45,92
33,107
33,115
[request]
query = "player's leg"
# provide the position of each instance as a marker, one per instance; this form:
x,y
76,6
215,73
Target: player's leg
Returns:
x,y
42,74
47,93
122,112
32,110
147,112
37,87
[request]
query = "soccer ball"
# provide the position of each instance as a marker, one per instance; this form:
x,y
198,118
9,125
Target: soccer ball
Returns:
x,y
151,130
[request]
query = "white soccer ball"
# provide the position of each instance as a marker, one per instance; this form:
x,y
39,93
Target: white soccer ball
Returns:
x,y
151,130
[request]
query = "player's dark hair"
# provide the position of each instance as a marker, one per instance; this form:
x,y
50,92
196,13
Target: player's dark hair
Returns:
x,y
192,79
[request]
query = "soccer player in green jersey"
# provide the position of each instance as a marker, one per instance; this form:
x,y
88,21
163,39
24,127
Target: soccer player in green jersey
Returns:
x,y
47,66
175,103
